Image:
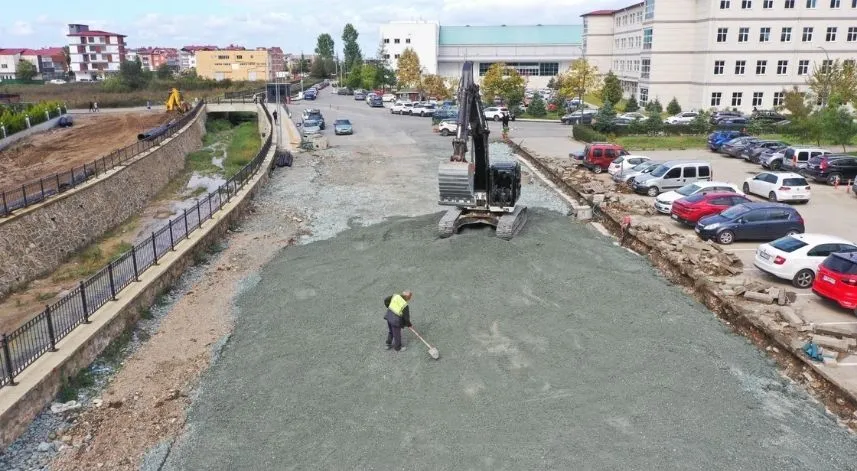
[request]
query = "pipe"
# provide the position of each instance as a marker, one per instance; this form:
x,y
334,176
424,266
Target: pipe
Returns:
x,y
152,133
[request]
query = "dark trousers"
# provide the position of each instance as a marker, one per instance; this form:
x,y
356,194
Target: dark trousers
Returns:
x,y
394,336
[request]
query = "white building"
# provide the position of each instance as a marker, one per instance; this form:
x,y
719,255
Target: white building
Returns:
x,y
537,52
719,53
94,53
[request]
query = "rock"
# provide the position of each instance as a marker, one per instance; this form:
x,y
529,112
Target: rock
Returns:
x,y
115,404
840,401
759,297
739,290
837,330
830,342
59,408
788,314
52,436
97,402
66,439
44,447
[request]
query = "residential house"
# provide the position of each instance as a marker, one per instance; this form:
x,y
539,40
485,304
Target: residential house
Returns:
x,y
234,64
94,53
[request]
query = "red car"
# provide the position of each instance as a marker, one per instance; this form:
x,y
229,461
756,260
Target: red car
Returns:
x,y
691,209
837,279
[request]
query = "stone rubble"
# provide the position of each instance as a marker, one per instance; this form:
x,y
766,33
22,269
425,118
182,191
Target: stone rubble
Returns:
x,y
697,258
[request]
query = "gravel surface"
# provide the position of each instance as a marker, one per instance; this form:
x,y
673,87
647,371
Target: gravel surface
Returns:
x,y
550,358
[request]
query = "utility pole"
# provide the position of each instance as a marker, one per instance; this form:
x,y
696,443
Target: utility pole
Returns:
x,y
828,70
302,73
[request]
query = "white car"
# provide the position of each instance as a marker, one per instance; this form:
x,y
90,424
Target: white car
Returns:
x,y
402,107
796,257
495,112
682,118
623,163
634,115
447,127
388,97
664,201
779,186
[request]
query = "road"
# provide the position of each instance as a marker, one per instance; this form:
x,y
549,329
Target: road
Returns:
x,y
559,349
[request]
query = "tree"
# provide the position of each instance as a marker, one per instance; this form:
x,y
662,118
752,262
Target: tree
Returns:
x,y
435,86
654,122
131,75
580,78
25,70
386,76
631,104
368,76
452,83
612,89
537,106
795,102
504,82
552,83
655,106
408,67
838,125
604,118
324,46
673,107
835,79
164,72
354,79
352,55
318,68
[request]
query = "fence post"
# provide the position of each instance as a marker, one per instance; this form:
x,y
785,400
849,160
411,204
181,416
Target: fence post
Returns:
x,y
172,242
5,207
186,233
85,307
24,191
209,206
154,250
51,333
58,182
134,261
8,355
112,282
42,186
198,215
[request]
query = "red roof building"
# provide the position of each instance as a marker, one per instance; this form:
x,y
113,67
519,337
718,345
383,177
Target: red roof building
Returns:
x,y
94,53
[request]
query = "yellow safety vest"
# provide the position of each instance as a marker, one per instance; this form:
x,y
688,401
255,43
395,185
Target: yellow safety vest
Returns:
x,y
398,305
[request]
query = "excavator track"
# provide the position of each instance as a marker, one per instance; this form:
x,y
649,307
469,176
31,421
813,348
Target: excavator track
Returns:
x,y
510,224
448,224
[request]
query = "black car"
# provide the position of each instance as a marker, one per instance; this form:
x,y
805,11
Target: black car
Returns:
x,y
767,116
315,115
751,154
831,168
751,221
719,115
733,123
734,147
621,122
578,117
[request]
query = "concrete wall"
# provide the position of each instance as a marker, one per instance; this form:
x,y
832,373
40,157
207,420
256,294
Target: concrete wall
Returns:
x,y
36,240
4,143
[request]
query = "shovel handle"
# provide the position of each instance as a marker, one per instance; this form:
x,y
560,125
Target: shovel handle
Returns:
x,y
419,337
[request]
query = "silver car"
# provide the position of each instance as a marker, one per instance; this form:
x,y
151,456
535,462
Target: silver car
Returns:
x,y
310,127
640,169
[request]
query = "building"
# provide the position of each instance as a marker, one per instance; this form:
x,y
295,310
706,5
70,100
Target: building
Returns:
x,y
50,62
234,64
187,56
154,57
278,59
720,53
9,58
538,52
94,53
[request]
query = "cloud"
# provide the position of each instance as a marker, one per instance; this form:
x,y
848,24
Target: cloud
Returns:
x,y
21,28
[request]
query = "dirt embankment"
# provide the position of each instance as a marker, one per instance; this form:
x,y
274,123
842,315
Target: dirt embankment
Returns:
x,y
58,150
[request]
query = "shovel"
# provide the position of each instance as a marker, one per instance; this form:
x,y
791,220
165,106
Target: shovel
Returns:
x,y
432,351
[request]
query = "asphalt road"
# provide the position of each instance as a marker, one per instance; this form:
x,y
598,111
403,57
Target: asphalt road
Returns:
x,y
559,350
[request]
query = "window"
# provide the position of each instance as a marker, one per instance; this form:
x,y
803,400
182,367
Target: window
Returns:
x,y
397,41
803,67
790,3
768,4
673,173
386,40
724,4
736,98
810,3
764,34
739,67
779,98
743,34
644,96
407,40
649,8
786,34
757,98
761,67
704,171
646,68
834,4
396,56
721,34
826,65
782,67
647,38
689,172
848,63
807,34
715,98
718,67
852,34
745,4
831,34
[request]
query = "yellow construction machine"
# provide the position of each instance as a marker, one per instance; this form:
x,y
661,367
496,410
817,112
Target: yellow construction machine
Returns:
x,y
175,102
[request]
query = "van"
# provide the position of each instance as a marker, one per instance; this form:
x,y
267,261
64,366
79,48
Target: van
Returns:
x,y
672,175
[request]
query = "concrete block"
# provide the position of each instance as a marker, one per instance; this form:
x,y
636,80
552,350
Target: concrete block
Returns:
x,y
775,292
829,353
597,199
759,297
830,342
582,213
832,362
788,314
837,330
727,292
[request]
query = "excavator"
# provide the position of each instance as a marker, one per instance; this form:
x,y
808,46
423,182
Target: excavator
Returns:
x,y
481,191
175,102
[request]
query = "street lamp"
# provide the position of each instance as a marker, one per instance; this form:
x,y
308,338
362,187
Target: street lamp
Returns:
x,y
827,75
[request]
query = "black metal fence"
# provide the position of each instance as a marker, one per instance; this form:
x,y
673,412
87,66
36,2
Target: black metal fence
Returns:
x,y
37,191
39,335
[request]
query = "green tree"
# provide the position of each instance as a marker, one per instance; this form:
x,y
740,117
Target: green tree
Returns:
x,y
655,106
611,90
435,86
673,108
25,70
352,54
552,83
132,76
368,76
654,122
838,124
386,75
408,69
504,82
354,79
537,107
581,77
324,46
164,72
631,104
604,118
318,69
795,102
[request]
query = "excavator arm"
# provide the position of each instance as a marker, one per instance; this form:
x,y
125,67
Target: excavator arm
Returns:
x,y
471,124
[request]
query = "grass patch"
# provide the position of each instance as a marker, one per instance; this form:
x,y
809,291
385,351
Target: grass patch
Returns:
x,y
594,99
661,142
46,296
243,146
90,260
72,386
555,115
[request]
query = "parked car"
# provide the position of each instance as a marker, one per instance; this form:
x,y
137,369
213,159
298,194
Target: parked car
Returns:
x,y
733,123
779,186
310,127
682,118
832,168
375,101
756,154
496,113
310,94
628,176
447,127
751,221
388,97
756,148
621,122
402,107
314,114
672,175
837,280
598,156
793,158
796,257
720,137
767,116
423,109
718,115
578,117
624,163
359,96
342,126
344,91
664,201
634,115
735,147
690,209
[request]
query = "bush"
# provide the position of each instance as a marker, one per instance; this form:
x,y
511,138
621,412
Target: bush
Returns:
x,y
673,107
16,121
604,118
584,133
537,107
631,104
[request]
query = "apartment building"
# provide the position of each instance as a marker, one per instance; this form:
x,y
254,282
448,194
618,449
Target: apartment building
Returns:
x,y
278,59
187,56
50,62
9,58
234,64
720,53
154,57
94,53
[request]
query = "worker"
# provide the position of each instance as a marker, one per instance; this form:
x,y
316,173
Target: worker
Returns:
x,y
398,316
505,121
274,114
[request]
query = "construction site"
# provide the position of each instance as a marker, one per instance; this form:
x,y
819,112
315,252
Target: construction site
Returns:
x,y
551,344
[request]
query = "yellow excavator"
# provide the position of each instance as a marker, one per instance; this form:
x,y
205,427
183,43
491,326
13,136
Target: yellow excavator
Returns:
x,y
175,102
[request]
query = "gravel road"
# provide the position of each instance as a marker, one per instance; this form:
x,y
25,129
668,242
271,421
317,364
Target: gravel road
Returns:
x,y
558,349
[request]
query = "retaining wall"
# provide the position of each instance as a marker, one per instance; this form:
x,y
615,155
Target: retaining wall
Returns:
x,y
4,143
36,240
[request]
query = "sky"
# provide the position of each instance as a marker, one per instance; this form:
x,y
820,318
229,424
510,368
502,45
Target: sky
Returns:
x,y
291,25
